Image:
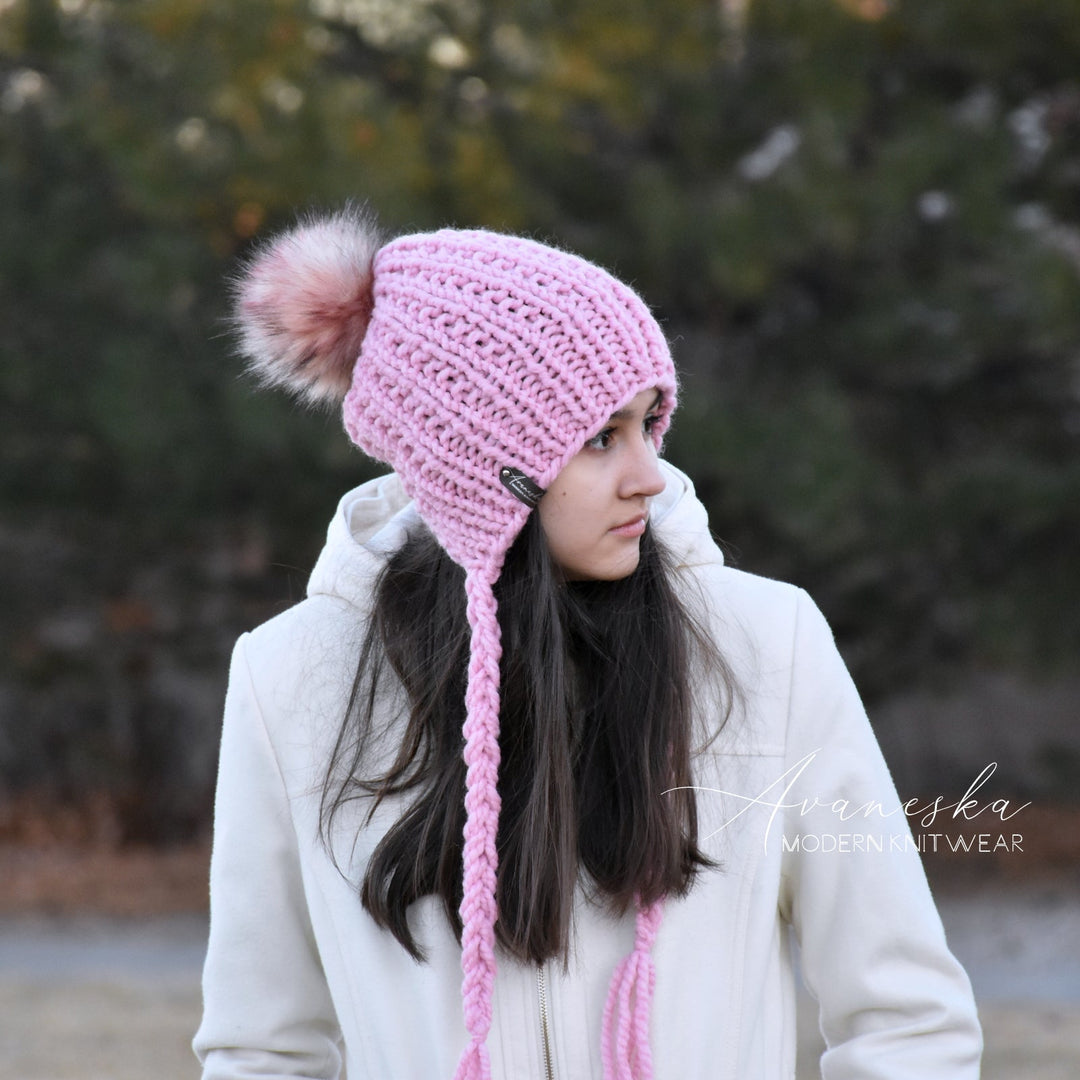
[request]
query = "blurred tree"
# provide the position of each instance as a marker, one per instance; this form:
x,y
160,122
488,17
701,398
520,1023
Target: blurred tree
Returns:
x,y
858,219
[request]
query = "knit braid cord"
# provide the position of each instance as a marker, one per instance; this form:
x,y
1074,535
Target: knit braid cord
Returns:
x,y
624,1041
478,909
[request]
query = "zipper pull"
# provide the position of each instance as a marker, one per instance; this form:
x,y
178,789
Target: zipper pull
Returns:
x,y
545,1029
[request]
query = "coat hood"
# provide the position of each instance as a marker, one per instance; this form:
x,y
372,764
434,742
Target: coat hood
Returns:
x,y
373,520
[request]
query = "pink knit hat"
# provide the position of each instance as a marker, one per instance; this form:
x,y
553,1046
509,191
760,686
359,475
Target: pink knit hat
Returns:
x,y
476,365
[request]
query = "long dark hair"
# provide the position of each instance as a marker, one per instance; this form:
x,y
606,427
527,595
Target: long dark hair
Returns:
x,y
597,707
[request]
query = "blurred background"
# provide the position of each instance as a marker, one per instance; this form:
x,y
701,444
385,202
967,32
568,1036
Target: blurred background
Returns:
x,y
858,221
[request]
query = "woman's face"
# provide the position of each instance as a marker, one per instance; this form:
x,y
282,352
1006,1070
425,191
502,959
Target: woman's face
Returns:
x,y
595,510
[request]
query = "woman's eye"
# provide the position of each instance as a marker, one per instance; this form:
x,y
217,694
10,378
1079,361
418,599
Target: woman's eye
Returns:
x,y
603,440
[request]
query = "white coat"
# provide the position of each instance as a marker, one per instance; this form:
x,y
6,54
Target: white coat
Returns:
x,y
299,978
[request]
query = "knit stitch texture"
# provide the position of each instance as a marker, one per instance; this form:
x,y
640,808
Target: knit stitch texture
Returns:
x,y
486,351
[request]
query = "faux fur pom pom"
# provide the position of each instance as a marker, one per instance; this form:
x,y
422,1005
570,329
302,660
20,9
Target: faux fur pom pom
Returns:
x,y
303,304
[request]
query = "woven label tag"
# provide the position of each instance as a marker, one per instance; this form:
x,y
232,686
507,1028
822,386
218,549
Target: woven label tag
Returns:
x,y
520,486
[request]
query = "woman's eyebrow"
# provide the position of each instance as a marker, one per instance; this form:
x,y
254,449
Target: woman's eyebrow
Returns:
x,y
627,414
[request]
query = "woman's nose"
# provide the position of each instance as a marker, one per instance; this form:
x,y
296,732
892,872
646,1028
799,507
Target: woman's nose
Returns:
x,y
643,476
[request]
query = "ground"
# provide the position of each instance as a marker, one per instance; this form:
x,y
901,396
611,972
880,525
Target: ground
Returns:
x,y
100,953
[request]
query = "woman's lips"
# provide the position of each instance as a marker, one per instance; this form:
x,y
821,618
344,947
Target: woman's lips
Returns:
x,y
634,527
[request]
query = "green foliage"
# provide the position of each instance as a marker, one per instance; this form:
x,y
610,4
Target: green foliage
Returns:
x,y
859,221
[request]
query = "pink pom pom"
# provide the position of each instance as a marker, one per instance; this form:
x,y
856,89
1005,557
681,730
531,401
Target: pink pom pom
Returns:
x,y
304,301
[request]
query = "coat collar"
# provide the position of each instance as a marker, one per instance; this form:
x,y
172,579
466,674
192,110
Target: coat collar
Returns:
x,y
373,520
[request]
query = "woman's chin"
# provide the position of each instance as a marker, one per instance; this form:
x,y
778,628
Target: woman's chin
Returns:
x,y
613,569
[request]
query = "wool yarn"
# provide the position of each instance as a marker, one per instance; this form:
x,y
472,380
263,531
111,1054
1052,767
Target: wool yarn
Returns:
x,y
476,364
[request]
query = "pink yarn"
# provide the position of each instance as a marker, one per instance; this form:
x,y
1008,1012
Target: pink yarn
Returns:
x,y
478,910
459,354
486,351
629,1005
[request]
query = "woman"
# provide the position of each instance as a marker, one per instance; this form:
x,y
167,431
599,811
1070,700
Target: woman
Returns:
x,y
527,735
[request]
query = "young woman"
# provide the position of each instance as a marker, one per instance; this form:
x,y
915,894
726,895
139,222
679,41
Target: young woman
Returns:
x,y
526,787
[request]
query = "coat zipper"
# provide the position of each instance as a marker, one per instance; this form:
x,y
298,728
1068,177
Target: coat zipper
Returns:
x,y
545,1031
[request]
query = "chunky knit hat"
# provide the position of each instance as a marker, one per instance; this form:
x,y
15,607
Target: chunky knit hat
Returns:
x,y
476,365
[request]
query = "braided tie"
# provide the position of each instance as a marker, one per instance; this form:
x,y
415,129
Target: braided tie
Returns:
x,y
475,1063
629,1004
478,909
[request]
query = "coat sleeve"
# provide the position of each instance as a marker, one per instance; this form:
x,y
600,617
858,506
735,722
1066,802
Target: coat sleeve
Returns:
x,y
267,1009
894,1002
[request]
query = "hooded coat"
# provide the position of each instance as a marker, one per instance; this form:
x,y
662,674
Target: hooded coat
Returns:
x,y
794,802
